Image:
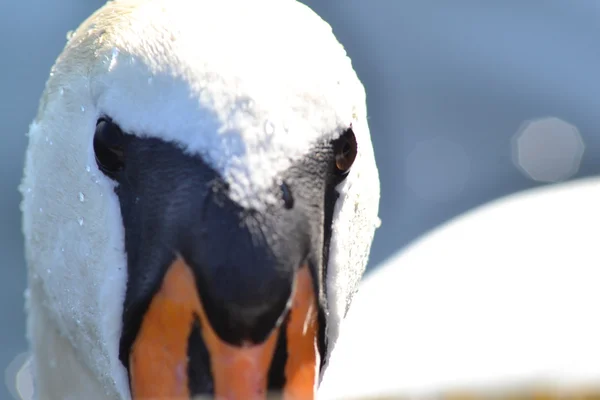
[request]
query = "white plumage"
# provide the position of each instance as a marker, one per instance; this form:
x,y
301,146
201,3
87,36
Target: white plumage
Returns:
x,y
248,85
501,298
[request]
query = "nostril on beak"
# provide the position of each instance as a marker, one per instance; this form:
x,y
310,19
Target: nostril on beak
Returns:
x,y
286,195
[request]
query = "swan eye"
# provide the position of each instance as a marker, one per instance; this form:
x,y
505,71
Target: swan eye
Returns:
x,y
345,149
108,147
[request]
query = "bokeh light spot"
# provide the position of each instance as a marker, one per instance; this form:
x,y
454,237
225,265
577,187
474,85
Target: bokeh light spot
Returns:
x,y
548,149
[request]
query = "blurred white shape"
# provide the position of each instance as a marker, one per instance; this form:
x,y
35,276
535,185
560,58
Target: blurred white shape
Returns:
x,y
437,169
18,379
548,149
504,295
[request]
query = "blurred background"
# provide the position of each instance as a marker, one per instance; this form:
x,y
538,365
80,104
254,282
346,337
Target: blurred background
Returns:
x,y
468,101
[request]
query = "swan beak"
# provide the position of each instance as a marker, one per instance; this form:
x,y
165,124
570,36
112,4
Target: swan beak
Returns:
x,y
159,358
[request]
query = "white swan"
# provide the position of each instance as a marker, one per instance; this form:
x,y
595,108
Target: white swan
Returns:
x,y
501,300
199,200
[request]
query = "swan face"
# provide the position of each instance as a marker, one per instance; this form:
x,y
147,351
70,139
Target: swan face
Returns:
x,y
200,187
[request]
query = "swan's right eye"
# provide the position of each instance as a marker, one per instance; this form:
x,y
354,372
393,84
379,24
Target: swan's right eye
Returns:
x,y
108,146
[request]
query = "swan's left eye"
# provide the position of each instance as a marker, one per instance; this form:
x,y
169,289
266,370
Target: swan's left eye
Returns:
x,y
345,150
108,146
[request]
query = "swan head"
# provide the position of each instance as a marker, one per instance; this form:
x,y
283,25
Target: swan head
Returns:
x,y
199,199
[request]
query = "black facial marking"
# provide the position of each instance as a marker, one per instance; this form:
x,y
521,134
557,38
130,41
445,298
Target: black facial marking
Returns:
x,y
280,357
243,260
200,381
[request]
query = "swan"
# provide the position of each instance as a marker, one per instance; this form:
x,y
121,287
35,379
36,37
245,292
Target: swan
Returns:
x,y
500,302
200,195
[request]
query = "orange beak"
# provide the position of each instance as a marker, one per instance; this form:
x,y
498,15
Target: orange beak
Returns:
x,y
159,355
